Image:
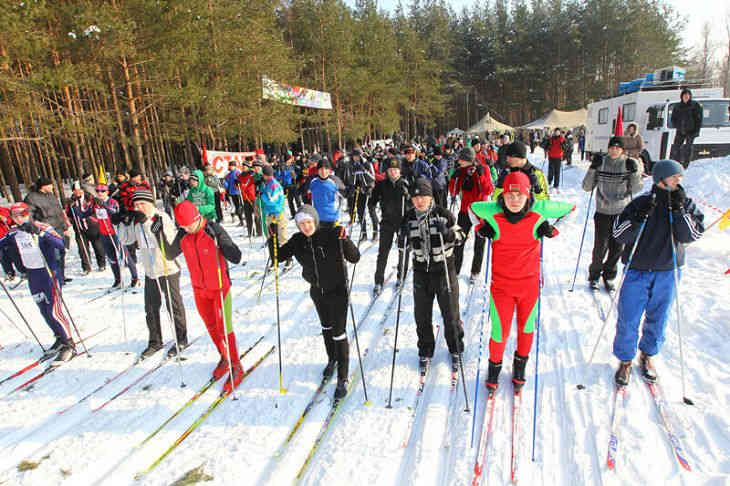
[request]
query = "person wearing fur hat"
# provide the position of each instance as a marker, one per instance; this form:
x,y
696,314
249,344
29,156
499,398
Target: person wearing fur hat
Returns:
x,y
515,223
474,182
633,143
686,118
207,249
33,248
201,195
162,278
615,178
665,220
320,251
431,234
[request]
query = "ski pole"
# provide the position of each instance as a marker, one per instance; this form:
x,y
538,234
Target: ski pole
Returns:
x,y
397,324
84,241
263,278
685,399
57,288
20,313
274,234
448,287
481,336
224,315
537,351
620,287
352,315
582,238
168,304
120,253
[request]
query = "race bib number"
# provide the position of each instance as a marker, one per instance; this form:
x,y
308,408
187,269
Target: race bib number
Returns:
x,y
29,251
101,213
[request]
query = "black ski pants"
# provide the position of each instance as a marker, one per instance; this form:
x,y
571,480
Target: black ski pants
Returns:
x,y
85,244
387,232
362,201
603,242
331,307
174,304
681,150
292,197
476,264
554,166
426,286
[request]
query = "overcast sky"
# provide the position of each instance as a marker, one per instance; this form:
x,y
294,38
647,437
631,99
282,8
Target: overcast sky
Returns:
x,y
696,12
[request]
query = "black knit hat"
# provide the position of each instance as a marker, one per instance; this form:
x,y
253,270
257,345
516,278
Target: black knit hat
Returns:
x,y
422,187
517,149
437,151
268,170
134,173
324,164
616,142
143,195
43,181
392,163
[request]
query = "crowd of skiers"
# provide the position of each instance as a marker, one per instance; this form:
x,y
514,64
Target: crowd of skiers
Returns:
x,y
428,199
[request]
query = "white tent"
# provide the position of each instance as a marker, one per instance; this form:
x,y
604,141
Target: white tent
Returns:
x,y
560,119
488,124
455,132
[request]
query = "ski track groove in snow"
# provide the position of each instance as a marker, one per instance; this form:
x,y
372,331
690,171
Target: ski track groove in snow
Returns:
x,y
237,441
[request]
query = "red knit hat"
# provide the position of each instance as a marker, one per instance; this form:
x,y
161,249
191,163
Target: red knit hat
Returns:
x,y
19,208
186,213
517,181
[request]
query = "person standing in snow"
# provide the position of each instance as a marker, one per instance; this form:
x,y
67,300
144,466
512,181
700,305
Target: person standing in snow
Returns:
x,y
231,184
247,188
201,195
554,148
615,178
392,195
320,251
431,233
516,159
160,276
686,118
363,175
33,248
272,204
212,181
207,249
325,188
474,182
649,286
515,223
440,173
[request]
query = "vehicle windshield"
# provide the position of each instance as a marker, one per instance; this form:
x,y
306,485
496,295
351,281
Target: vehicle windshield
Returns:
x,y
714,113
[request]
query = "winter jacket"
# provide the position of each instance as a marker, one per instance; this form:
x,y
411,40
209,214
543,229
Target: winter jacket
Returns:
x,y
205,252
411,171
324,196
654,251
25,254
202,196
687,117
320,256
420,231
272,198
5,221
537,181
101,213
284,174
474,183
247,186
439,170
615,185
516,245
363,175
230,182
633,146
149,246
394,201
45,208
212,181
555,147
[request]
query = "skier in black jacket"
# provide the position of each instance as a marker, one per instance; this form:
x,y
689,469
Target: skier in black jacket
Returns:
x,y
320,252
432,233
687,119
392,194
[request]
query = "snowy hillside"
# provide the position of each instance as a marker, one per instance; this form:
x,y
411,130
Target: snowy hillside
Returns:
x,y
372,444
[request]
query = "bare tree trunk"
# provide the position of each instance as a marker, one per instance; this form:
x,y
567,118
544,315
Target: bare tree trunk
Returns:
x,y
133,116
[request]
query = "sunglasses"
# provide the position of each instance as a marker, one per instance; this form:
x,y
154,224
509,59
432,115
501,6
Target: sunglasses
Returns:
x,y
101,191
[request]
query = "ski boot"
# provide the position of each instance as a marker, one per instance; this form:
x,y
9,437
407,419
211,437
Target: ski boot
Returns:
x,y
648,372
623,373
375,236
134,283
473,278
238,375
492,381
329,370
518,372
424,364
150,350
377,289
116,285
610,286
341,390
593,284
221,369
65,353
455,362
172,352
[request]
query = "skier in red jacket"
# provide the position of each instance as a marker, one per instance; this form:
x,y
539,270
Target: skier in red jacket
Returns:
x,y
555,151
206,247
474,182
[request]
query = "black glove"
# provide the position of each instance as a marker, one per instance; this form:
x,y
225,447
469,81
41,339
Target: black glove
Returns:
x,y
631,166
677,198
547,230
401,240
156,226
115,218
128,218
485,230
596,161
98,202
404,190
29,227
480,170
446,232
643,212
139,217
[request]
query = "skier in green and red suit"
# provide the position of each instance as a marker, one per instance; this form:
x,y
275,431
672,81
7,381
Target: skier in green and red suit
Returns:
x,y
515,223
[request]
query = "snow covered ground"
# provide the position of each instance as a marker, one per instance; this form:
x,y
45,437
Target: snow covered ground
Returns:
x,y
372,444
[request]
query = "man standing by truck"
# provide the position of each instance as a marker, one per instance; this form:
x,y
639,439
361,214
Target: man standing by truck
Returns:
x,y
687,119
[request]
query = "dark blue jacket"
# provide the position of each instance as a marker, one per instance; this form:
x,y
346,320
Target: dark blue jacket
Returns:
x,y
654,251
283,174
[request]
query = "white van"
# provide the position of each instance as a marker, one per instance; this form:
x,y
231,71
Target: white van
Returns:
x,y
651,109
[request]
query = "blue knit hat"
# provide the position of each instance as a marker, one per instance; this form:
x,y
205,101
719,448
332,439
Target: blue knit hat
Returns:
x,y
666,168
